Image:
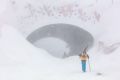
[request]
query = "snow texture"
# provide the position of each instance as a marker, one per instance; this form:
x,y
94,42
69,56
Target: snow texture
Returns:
x,y
20,60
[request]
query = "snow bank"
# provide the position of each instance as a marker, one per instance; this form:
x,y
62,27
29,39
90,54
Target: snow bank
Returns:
x,y
17,57
19,60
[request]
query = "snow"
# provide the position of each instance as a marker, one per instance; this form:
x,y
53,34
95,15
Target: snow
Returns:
x,y
27,15
3,5
56,50
20,60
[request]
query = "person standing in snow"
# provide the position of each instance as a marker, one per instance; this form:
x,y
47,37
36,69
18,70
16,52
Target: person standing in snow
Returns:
x,y
84,57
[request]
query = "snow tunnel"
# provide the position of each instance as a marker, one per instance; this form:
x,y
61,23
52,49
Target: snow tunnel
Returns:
x,y
61,40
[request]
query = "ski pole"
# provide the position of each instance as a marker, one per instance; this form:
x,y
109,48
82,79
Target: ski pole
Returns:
x,y
89,65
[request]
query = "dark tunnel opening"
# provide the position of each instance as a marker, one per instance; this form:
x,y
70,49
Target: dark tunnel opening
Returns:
x,y
61,40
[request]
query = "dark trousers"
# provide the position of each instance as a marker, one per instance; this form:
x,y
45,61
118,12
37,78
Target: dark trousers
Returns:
x,y
83,65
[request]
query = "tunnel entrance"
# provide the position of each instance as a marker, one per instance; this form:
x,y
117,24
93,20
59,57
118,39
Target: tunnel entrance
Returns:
x,y
61,40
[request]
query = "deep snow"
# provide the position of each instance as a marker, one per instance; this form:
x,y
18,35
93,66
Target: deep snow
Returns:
x,y
20,60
